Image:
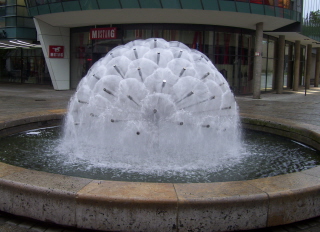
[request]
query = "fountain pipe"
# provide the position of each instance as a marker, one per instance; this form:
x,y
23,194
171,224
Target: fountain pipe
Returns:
x,y
197,103
207,126
182,71
164,82
204,58
180,53
118,70
135,53
158,58
132,100
226,108
98,78
140,73
108,91
111,54
205,75
155,43
83,102
188,95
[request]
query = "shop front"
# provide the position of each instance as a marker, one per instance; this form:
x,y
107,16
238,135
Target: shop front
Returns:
x,y
230,49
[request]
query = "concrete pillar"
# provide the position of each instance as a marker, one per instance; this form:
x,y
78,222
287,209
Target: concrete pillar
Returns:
x,y
280,66
59,67
290,67
296,72
257,61
308,66
275,65
317,72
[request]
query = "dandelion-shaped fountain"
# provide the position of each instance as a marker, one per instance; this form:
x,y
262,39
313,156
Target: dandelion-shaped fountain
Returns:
x,y
153,106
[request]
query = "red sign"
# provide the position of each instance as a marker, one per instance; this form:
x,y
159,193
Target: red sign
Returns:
x,y
56,51
103,33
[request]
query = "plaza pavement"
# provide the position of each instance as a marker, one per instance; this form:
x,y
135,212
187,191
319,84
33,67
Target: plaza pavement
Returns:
x,y
18,101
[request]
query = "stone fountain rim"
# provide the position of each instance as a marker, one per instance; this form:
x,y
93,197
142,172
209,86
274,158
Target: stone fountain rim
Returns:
x,y
132,206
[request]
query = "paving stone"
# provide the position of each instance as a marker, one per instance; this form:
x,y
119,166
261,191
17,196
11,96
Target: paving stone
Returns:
x,y
26,224
39,228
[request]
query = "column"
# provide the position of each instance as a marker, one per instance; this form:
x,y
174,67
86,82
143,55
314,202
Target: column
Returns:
x,y
59,67
296,71
290,67
308,66
280,68
257,61
317,72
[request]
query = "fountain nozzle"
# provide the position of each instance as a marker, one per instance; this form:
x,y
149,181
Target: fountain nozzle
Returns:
x,y
164,82
135,53
182,71
108,91
118,70
205,75
158,57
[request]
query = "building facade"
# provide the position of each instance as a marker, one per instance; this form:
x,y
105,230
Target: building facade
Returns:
x,y
22,58
253,43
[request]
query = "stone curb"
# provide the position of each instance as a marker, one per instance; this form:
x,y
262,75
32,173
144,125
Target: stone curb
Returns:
x,y
134,206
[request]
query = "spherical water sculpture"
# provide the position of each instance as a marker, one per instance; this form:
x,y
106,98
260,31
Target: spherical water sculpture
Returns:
x,y
153,106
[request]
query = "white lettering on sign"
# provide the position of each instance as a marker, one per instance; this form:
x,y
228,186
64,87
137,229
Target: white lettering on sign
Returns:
x,y
103,33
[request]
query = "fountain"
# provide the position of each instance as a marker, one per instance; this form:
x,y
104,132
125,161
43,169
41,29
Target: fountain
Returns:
x,y
137,107
153,106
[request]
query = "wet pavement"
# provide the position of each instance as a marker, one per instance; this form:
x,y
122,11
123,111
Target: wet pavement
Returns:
x,y
18,101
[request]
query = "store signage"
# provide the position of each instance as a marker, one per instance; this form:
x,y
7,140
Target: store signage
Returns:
x,y
103,33
56,51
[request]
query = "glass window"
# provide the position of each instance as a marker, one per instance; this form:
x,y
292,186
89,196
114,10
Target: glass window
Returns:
x,y
111,4
210,4
2,11
81,56
174,4
195,4
269,74
11,10
44,9
11,21
271,47
21,2
228,6
89,4
150,3
71,6
11,2
2,2
25,22
56,7
243,7
257,8
22,11
130,4
2,22
130,35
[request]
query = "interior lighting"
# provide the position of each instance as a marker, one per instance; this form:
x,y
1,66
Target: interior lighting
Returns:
x,y
22,43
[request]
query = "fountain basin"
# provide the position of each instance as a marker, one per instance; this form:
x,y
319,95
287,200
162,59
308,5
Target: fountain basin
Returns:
x,y
134,206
